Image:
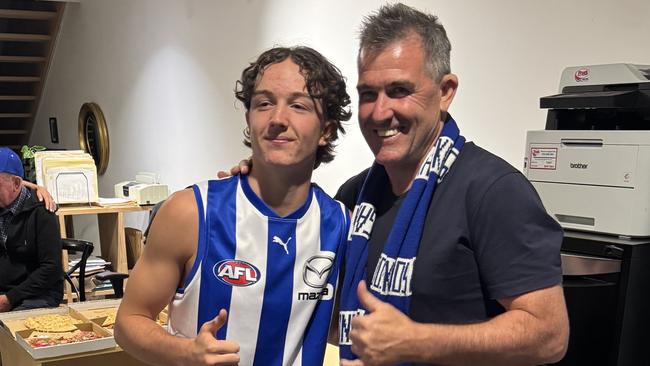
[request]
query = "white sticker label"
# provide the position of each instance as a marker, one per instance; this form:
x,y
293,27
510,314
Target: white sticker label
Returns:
x,y
543,158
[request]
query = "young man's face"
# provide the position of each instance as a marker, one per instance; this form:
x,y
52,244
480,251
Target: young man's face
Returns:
x,y
284,122
400,104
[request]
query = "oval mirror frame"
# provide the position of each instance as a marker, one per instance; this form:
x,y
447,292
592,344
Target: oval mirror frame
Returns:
x,y
93,135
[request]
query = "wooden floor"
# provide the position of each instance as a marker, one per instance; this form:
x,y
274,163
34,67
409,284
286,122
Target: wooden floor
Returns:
x,y
331,356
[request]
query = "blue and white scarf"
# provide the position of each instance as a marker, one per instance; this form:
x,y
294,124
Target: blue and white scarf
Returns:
x,y
391,281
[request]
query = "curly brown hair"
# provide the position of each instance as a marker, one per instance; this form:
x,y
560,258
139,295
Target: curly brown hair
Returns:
x,y
323,80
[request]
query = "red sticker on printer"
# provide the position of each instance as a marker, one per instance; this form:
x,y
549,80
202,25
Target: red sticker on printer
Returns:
x,y
582,75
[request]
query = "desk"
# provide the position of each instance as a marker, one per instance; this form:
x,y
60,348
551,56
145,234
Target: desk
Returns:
x,y
111,232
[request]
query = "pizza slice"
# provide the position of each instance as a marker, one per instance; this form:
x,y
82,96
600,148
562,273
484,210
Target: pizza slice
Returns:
x,y
55,323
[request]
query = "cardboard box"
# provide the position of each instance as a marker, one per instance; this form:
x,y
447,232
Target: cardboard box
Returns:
x,y
95,304
94,311
107,341
14,323
163,318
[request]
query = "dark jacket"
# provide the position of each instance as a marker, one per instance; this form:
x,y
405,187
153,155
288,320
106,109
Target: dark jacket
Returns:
x,y
30,266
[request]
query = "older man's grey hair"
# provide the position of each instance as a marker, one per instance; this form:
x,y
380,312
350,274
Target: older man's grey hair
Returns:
x,y
394,22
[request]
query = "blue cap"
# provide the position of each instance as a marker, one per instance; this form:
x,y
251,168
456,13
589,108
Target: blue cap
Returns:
x,y
10,162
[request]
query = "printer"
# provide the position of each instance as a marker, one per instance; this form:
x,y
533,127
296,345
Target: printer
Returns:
x,y
591,165
145,190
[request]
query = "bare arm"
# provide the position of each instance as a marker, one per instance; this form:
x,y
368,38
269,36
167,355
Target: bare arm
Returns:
x,y
171,244
533,330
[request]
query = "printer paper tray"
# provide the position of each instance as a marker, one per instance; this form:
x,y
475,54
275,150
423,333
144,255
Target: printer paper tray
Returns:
x,y
610,210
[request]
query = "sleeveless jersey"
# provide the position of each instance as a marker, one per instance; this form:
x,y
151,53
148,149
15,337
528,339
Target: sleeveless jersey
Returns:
x,y
276,276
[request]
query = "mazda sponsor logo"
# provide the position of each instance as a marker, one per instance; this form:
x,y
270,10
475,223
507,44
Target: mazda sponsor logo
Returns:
x,y
316,270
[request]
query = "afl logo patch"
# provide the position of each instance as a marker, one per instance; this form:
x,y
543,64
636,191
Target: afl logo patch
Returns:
x,y
236,273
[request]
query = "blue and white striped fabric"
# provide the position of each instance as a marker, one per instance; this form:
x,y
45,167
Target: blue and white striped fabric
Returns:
x,y
391,280
276,276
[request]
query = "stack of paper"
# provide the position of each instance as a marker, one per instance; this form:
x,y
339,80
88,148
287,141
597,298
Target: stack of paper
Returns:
x,y
69,176
93,265
116,202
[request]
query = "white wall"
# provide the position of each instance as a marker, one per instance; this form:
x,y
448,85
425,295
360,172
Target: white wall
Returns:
x,y
163,72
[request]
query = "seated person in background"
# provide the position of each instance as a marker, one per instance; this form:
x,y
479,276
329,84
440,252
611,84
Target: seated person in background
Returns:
x,y
31,274
248,264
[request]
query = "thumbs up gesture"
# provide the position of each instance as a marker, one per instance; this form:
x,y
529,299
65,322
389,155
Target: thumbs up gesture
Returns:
x,y
208,350
382,336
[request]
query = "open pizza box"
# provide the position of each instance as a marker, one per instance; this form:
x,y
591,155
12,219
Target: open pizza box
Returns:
x,y
106,341
100,312
103,312
14,321
163,317
15,324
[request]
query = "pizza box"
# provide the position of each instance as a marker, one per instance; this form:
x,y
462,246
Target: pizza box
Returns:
x,y
163,317
96,311
14,321
95,305
69,348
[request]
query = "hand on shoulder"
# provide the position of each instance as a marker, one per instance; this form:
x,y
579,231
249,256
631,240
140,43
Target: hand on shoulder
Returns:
x,y
244,168
42,195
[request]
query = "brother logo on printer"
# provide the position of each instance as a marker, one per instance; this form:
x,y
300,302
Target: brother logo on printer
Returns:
x,y
582,75
578,166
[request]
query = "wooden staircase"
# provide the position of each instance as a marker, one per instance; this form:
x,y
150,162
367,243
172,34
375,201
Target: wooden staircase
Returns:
x,y
28,30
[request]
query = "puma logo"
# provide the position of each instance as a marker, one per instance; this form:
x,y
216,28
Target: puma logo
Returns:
x,y
282,244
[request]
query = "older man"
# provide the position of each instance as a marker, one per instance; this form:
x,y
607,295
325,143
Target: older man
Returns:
x,y
31,274
452,259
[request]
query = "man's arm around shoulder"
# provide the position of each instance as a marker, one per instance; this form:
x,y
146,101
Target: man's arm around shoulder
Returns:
x,y
170,245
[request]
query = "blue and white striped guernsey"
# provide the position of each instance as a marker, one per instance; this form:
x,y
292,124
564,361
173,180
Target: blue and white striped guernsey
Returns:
x,y
276,276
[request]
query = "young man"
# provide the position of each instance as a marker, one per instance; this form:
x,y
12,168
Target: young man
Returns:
x,y
31,273
462,262
253,258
